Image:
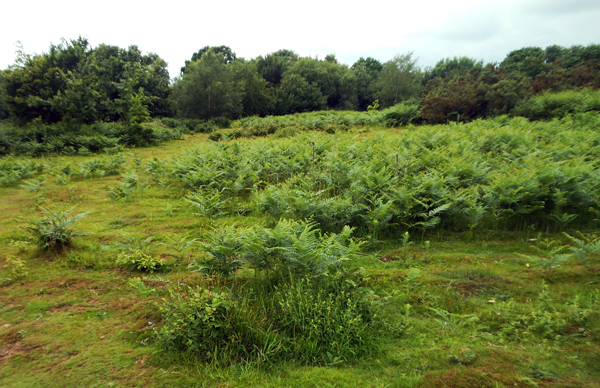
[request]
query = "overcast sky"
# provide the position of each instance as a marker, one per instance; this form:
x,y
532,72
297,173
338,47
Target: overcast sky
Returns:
x,y
484,30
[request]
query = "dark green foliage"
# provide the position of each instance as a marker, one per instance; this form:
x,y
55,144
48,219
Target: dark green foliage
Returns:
x,y
296,94
256,97
529,61
272,66
366,72
582,75
470,94
38,139
77,84
447,67
223,52
313,322
205,90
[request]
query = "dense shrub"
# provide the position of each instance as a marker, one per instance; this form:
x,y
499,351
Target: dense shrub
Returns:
x,y
500,174
470,94
402,114
550,105
313,322
12,171
301,304
38,139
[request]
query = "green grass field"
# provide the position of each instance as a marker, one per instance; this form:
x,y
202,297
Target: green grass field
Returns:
x,y
503,300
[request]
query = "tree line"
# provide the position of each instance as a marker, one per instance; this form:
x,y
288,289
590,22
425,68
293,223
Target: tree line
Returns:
x,y
76,84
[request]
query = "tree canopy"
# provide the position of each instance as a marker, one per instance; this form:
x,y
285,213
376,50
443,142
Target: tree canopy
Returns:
x,y
77,84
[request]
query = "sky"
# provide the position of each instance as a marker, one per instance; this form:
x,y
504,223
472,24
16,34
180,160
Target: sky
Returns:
x,y
350,29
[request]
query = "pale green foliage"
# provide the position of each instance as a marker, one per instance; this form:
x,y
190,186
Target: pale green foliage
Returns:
x,y
130,182
498,175
35,186
399,80
197,321
327,323
453,322
18,268
182,246
12,171
466,357
55,230
140,288
20,245
379,217
546,317
584,247
208,203
223,249
138,260
552,254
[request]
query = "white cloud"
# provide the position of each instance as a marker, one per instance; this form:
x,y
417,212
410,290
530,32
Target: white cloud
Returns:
x,y
174,30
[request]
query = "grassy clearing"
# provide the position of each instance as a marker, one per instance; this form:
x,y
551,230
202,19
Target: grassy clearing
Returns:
x,y
473,312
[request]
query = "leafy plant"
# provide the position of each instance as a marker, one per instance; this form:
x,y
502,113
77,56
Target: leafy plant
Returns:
x,y
55,231
203,322
327,321
584,246
466,357
451,321
18,269
140,261
140,288
224,251
208,203
35,186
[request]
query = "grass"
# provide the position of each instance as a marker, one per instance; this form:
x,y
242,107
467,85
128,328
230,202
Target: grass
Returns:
x,y
74,319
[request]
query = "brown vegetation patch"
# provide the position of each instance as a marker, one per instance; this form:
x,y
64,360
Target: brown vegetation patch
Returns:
x,y
470,287
15,348
388,258
67,308
465,377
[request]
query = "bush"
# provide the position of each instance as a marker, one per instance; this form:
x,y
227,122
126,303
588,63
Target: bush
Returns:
x,y
54,231
557,105
402,114
325,321
38,139
140,261
208,324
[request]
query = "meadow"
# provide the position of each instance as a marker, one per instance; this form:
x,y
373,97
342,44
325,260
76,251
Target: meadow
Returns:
x,y
321,250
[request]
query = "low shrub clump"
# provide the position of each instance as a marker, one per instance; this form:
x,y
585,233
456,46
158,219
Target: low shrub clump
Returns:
x,y
38,139
547,106
55,230
300,305
322,321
